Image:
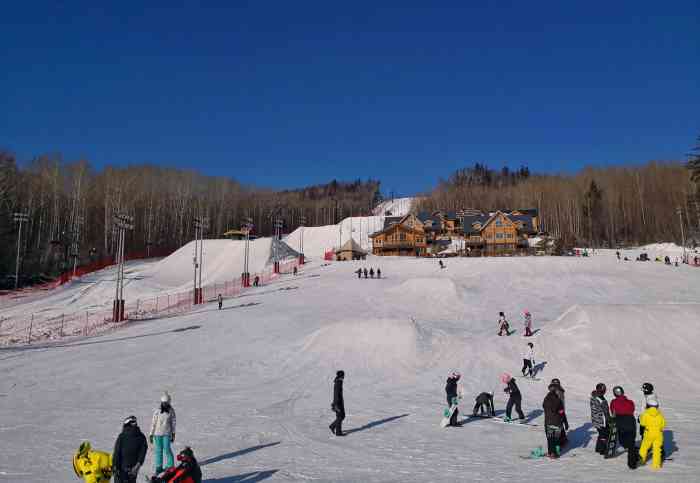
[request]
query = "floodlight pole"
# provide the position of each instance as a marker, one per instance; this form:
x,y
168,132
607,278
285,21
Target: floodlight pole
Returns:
x,y
21,218
301,240
680,219
278,236
247,226
122,222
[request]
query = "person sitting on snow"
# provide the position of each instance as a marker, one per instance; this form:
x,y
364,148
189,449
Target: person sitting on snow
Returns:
x,y
93,466
484,401
653,422
187,471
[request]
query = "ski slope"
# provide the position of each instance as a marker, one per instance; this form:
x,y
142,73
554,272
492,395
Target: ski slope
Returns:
x,y
252,383
397,207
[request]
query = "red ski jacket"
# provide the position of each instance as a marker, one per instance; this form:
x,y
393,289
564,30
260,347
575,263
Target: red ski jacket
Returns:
x,y
621,406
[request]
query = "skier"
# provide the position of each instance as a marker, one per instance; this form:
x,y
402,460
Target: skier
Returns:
x,y
502,324
187,471
528,323
623,411
163,433
514,399
93,466
129,452
338,404
371,273
221,301
600,417
359,273
653,422
484,401
451,391
563,440
365,273
379,273
553,421
529,361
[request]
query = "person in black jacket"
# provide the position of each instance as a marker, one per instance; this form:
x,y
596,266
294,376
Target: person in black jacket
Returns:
x,y
553,421
338,404
515,398
129,452
451,391
484,401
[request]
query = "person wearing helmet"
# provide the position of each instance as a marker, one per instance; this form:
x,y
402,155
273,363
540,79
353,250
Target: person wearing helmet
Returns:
x,y
529,361
93,466
162,433
338,404
622,409
484,404
528,323
452,395
514,399
600,417
129,452
650,396
563,439
503,325
187,471
653,422
553,421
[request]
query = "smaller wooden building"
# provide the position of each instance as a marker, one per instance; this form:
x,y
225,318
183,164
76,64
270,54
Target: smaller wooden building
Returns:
x,y
350,250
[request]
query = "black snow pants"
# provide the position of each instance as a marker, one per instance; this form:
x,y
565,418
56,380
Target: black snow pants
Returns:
x,y
514,402
337,425
627,435
601,443
527,368
453,419
480,406
553,434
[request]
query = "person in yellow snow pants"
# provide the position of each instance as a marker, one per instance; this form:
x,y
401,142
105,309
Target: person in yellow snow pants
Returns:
x,y
654,423
93,466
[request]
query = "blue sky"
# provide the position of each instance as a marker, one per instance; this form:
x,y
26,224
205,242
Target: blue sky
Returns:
x,y
285,94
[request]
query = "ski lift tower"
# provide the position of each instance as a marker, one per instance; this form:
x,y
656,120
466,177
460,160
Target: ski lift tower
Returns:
x,y
122,223
200,225
246,228
275,243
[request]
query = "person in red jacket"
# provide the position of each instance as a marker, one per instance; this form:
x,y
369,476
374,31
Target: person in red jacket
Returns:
x,y
623,411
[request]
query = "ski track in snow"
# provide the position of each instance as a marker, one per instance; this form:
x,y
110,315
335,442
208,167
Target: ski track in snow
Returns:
x,y
252,386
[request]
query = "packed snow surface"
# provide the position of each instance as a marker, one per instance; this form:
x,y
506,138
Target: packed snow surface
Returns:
x,y
396,206
252,383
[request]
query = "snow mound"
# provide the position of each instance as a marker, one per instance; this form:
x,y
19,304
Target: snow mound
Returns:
x,y
440,292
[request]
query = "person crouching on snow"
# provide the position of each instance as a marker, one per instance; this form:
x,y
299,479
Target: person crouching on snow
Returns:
x,y
484,401
93,466
187,471
163,433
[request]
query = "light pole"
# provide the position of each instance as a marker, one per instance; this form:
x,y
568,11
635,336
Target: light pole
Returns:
x,y
301,240
200,224
20,218
79,220
680,220
122,222
247,226
275,244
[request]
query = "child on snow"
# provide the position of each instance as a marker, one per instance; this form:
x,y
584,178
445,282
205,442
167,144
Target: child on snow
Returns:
x,y
502,324
163,433
622,409
600,417
529,361
650,395
514,399
93,466
553,421
484,401
528,323
129,452
187,471
563,440
653,422
452,395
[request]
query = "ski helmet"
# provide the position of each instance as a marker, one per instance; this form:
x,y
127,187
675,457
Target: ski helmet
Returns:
x,y
340,374
647,388
600,388
556,381
652,402
165,398
455,375
527,312
186,454
501,314
530,344
130,421
618,391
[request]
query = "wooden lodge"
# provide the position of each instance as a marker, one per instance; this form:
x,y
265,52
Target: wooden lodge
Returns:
x,y
400,236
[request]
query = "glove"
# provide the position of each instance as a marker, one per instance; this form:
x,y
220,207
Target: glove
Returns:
x,y
172,438
134,471
150,438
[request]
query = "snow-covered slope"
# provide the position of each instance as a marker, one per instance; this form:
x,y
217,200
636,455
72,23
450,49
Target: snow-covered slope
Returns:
x,y
397,207
252,383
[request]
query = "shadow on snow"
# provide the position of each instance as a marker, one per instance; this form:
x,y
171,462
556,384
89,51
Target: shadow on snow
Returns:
x,y
244,478
375,423
235,454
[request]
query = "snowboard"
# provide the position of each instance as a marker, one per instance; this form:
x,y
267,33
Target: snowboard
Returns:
x,y
447,413
612,438
514,422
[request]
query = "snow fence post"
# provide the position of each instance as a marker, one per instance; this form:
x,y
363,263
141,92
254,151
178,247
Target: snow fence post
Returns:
x,y
31,323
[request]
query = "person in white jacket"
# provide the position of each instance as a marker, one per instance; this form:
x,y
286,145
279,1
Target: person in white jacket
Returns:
x,y
162,433
529,361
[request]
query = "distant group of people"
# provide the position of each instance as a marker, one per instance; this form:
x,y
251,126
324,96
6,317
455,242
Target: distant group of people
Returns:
x,y
644,257
130,453
504,326
368,273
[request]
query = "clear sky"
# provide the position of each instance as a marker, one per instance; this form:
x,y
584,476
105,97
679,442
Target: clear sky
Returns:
x,y
285,94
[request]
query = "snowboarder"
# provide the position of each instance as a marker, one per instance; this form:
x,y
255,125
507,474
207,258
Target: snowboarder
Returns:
x,y
365,273
379,273
600,417
484,401
502,324
359,273
451,391
650,395
295,271
563,440
553,421
129,452
528,323
622,409
371,273
163,433
221,301
338,404
187,471
256,281
93,466
514,399
618,255
653,422
442,265
529,361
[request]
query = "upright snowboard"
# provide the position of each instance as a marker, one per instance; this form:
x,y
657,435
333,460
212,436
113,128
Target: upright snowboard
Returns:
x,y
612,438
447,414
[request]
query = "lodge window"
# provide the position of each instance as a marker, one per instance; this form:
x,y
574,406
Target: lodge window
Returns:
x,y
499,222
402,237
499,236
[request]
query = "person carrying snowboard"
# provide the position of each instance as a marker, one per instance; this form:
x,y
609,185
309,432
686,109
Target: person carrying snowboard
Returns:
x,y
563,440
502,324
514,399
220,299
93,466
553,421
452,395
338,404
529,361
163,433
622,409
528,323
484,401
187,471
600,417
129,452
653,422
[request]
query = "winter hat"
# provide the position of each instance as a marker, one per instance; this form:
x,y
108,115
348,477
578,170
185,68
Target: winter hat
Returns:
x,y
600,388
340,374
530,344
165,398
527,312
84,448
652,402
130,421
505,378
501,314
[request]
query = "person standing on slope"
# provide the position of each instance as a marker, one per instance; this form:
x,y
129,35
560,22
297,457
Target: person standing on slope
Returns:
x,y
484,401
379,273
365,273
650,395
163,433
129,452
553,421
563,440
514,399
371,273
600,417
452,395
623,411
528,323
502,324
529,361
359,273
220,299
338,404
653,422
